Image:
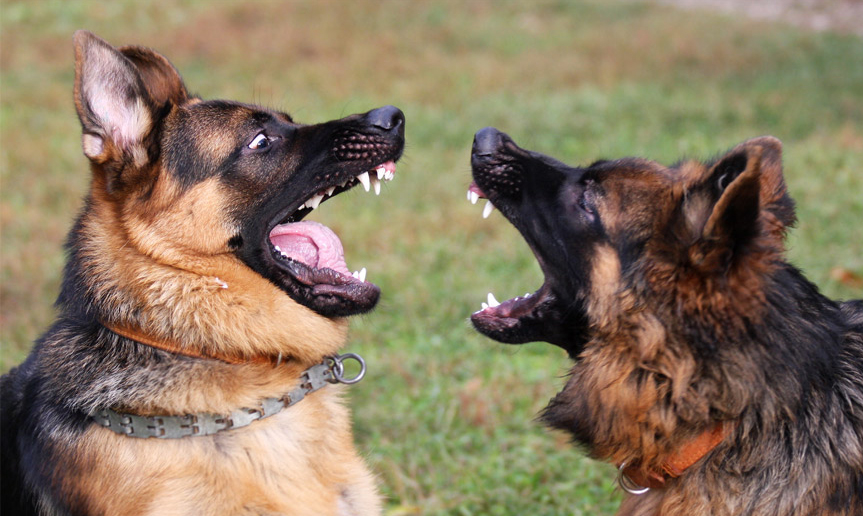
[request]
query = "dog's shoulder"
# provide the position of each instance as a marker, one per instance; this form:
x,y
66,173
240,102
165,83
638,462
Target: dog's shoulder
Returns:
x,y
853,314
853,311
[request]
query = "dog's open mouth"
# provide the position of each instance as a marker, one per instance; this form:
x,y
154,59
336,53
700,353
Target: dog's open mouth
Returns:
x,y
516,182
312,254
517,320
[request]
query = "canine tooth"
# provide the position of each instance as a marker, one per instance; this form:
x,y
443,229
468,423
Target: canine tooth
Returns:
x,y
330,190
376,183
473,197
492,301
315,201
489,207
362,276
364,179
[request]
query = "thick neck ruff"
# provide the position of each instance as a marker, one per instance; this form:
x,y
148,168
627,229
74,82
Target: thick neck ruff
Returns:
x,y
636,480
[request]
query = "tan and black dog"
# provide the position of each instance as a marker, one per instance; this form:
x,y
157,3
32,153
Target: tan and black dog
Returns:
x,y
200,317
707,368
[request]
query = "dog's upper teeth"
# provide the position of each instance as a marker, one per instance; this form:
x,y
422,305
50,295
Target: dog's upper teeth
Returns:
x,y
492,301
330,190
489,207
381,171
315,201
473,197
364,179
376,183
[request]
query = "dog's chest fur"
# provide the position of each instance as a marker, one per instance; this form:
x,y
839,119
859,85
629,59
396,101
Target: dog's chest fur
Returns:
x,y
280,465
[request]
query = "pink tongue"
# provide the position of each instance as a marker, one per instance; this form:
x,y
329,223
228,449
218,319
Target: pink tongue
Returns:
x,y
310,243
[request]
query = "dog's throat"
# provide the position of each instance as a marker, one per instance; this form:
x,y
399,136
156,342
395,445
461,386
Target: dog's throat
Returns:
x,y
174,347
637,480
331,370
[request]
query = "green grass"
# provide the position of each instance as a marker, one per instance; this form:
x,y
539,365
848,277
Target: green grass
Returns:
x,y
446,416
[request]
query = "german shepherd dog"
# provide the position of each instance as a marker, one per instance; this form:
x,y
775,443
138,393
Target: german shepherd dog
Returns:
x,y
197,310
706,367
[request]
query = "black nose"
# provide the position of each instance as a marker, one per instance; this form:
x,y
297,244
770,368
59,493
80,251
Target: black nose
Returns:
x,y
387,118
487,140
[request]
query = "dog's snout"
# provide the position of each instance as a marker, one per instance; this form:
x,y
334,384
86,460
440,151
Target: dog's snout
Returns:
x,y
387,118
486,141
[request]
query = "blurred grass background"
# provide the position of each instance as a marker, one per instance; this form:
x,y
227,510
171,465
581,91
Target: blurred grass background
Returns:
x,y
445,416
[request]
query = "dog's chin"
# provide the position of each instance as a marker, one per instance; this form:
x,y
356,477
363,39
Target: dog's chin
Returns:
x,y
328,292
536,317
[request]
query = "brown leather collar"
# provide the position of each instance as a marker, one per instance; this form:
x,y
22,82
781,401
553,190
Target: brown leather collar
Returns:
x,y
674,466
172,347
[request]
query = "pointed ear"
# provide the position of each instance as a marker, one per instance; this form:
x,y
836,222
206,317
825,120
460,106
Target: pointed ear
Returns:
x,y
119,95
751,202
160,78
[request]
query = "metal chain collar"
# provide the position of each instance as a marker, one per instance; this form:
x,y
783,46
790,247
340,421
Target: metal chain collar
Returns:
x,y
331,370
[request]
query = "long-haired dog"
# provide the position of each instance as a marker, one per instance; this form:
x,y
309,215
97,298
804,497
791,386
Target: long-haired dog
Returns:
x,y
707,368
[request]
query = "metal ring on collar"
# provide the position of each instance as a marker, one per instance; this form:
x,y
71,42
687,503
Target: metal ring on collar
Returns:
x,y
627,484
339,368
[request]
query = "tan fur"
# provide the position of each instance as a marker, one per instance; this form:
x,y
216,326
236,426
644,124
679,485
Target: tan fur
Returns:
x,y
180,277
300,462
155,255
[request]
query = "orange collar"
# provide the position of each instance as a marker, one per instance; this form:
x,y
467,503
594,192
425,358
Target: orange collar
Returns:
x,y
172,347
634,478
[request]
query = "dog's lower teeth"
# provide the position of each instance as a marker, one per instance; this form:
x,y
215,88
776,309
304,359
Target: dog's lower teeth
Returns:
x,y
492,301
360,274
377,184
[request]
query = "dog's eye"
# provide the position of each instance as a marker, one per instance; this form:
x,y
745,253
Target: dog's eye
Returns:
x,y
260,142
585,204
587,201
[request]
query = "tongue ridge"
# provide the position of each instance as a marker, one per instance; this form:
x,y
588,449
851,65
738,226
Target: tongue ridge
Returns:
x,y
310,243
